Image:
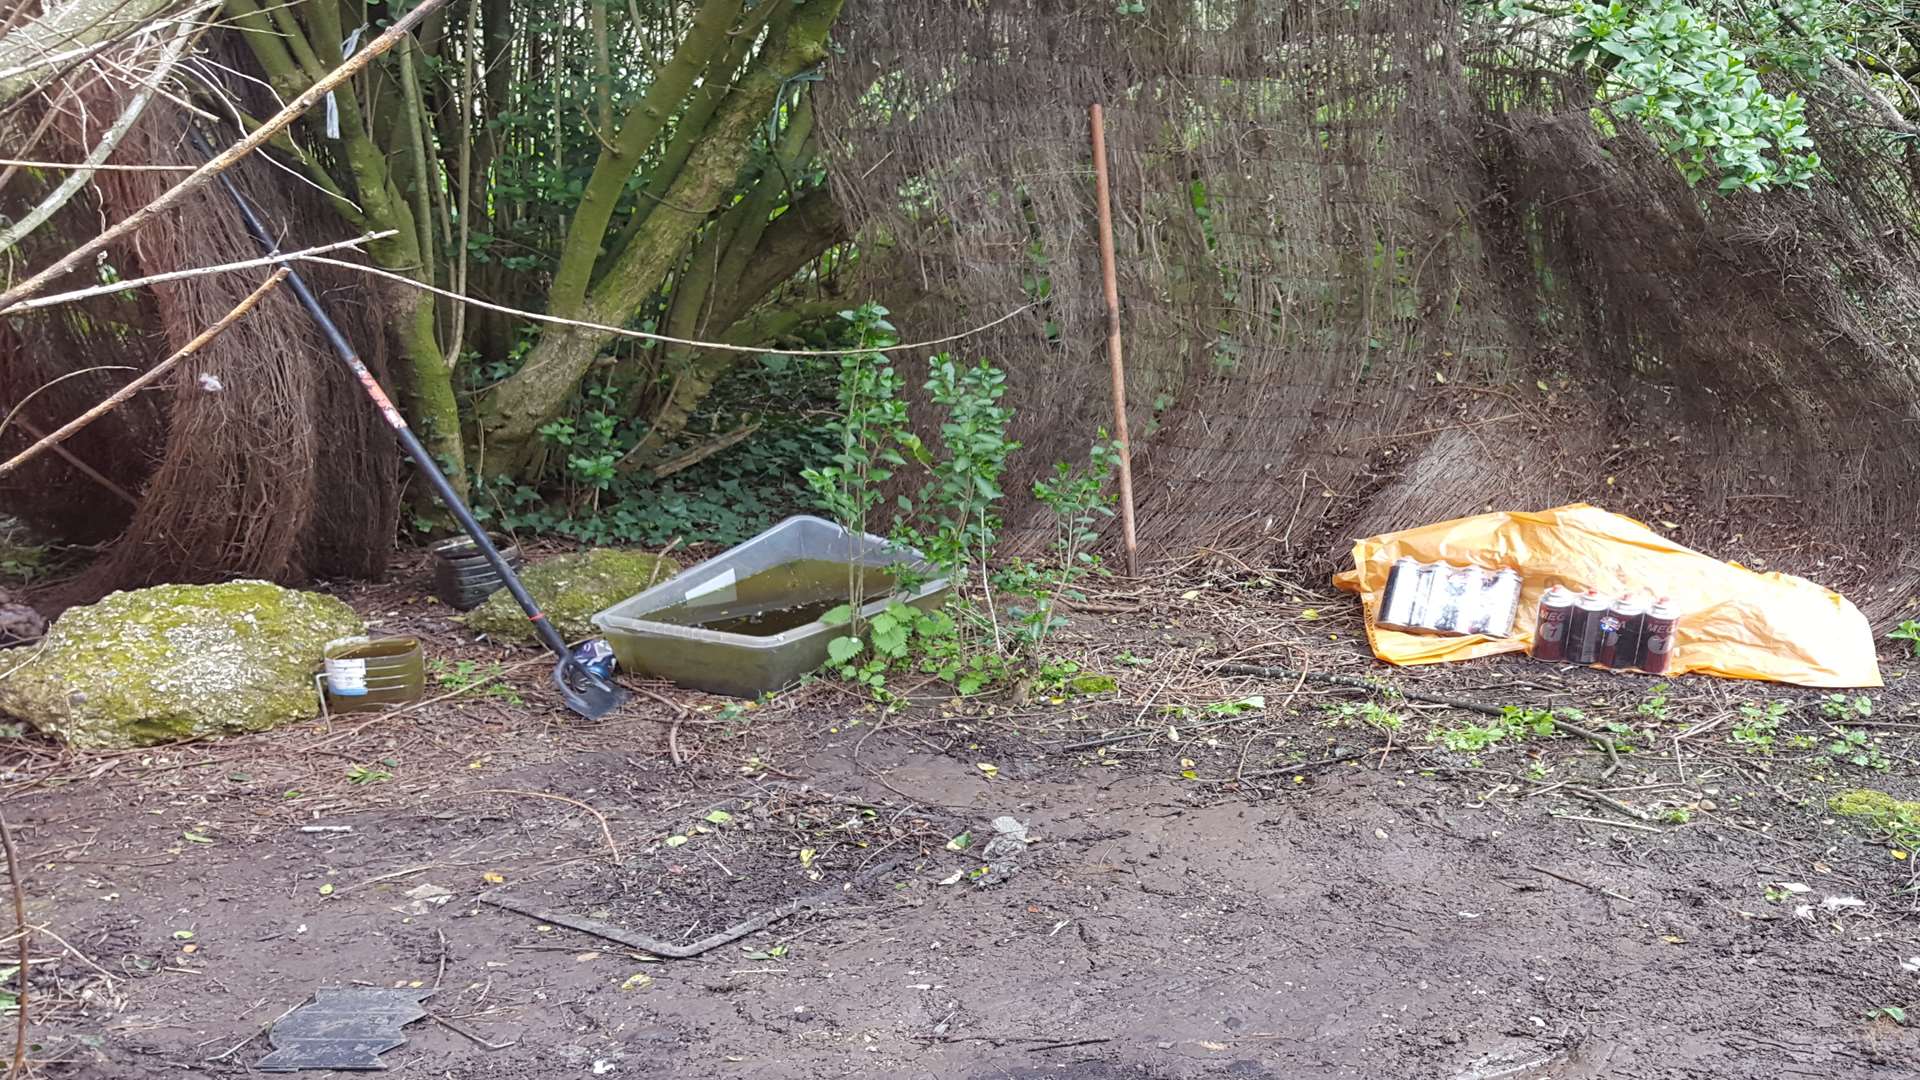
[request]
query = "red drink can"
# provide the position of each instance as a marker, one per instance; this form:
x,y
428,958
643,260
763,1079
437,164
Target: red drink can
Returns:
x,y
1550,629
1583,627
1625,628
1656,650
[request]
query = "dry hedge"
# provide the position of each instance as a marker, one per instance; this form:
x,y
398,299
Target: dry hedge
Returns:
x,y
1379,269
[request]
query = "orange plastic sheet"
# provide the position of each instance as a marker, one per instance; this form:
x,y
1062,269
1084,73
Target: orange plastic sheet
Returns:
x,y
1734,622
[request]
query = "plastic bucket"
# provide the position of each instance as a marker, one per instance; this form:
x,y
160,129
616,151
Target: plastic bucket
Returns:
x,y
363,675
462,576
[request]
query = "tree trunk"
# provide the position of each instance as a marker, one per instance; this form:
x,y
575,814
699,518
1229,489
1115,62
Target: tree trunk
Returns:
x,y
808,228
289,55
515,410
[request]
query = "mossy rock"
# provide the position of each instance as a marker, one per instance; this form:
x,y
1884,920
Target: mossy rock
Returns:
x,y
177,662
571,589
1877,807
1897,820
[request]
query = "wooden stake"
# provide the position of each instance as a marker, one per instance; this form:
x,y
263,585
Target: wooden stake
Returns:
x,y
1114,358
26,947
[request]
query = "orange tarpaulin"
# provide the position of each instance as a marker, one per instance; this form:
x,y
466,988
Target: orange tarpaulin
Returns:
x,y
1734,622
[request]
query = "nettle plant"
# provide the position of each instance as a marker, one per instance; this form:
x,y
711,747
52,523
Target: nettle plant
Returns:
x,y
1077,496
952,519
873,430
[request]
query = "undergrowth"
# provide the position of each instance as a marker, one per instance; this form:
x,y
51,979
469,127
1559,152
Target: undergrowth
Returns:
x,y
729,497
995,625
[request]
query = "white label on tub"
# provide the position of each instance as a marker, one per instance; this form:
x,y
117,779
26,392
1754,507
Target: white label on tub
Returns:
x,y
347,678
723,580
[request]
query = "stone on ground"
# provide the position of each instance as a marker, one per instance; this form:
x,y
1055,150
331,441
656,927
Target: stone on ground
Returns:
x,y
176,662
571,589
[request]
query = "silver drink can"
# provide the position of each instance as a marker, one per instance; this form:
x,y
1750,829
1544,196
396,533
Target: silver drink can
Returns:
x,y
1433,594
1420,597
1500,604
1398,600
1471,583
1459,596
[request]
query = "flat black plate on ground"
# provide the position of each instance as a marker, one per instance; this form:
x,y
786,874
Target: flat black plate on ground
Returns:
x,y
343,1029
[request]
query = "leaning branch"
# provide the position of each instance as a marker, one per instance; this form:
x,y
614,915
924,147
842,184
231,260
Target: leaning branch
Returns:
x,y
226,158
59,436
175,275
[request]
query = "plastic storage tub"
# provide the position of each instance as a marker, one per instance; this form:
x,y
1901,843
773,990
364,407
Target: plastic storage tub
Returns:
x,y
746,622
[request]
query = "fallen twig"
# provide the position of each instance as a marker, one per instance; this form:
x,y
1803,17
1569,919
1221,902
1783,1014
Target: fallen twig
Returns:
x,y
661,560
1065,1044
694,456
613,849
386,877
1043,1042
261,1030
660,948
1608,800
464,1033
679,952
1141,733
1337,758
1605,821
1571,880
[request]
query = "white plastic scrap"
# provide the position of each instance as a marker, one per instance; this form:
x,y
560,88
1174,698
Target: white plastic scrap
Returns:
x,y
347,49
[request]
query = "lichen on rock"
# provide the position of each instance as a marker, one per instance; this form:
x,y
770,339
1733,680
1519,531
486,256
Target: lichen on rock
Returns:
x,y
177,662
571,589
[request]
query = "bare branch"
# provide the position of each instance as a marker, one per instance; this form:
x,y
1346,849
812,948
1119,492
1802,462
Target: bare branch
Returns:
x,y
175,275
146,379
109,142
226,158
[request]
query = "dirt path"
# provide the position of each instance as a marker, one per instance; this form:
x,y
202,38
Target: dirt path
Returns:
x,y
1429,917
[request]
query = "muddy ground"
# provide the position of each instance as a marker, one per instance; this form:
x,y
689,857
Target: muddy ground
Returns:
x,y
1236,891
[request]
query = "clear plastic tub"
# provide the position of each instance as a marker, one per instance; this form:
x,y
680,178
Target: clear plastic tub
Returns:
x,y
365,674
746,622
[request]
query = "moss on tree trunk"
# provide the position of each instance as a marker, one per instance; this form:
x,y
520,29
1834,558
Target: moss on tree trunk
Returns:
x,y
514,411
